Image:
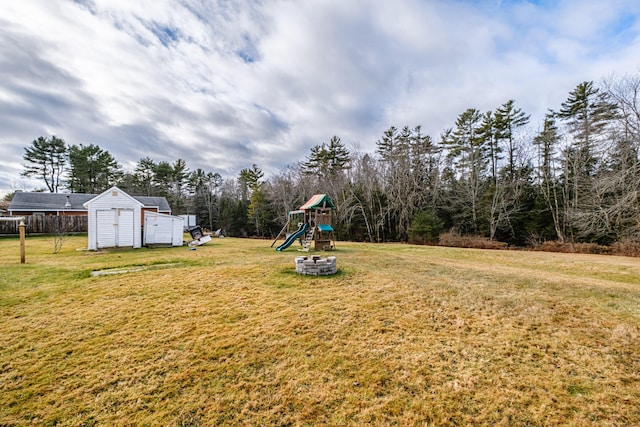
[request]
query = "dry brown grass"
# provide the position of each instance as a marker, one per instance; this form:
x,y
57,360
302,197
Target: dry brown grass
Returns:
x,y
403,335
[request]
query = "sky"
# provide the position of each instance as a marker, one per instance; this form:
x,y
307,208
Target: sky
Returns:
x,y
225,84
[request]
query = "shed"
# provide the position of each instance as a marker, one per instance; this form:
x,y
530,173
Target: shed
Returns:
x,y
189,221
114,220
162,230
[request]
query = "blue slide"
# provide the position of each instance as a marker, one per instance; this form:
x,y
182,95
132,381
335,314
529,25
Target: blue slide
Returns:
x,y
292,237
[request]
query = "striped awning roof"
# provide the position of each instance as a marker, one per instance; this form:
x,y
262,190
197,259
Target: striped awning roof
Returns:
x,y
318,201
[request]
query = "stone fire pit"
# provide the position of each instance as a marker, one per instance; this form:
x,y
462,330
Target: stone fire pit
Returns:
x,y
316,265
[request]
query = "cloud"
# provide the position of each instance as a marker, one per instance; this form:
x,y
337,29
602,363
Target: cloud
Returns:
x,y
224,84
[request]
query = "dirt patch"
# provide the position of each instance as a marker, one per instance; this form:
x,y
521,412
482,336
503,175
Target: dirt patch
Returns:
x,y
133,269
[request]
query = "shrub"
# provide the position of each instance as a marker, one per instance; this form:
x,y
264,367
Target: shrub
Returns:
x,y
572,248
465,241
626,247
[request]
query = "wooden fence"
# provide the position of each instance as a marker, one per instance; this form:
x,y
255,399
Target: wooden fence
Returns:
x,y
49,224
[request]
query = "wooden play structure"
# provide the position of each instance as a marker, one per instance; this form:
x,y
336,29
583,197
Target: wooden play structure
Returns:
x,y
310,223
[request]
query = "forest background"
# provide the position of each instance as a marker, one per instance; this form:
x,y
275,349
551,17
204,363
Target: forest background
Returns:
x,y
575,180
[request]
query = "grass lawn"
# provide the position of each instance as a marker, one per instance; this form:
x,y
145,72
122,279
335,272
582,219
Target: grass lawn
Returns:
x,y
403,335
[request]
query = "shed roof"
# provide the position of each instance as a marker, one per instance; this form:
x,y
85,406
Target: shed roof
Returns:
x,y
112,192
318,201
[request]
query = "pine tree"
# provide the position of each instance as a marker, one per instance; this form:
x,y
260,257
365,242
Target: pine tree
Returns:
x,y
91,169
468,151
387,147
339,156
178,180
327,160
507,120
46,159
489,133
547,142
143,176
588,114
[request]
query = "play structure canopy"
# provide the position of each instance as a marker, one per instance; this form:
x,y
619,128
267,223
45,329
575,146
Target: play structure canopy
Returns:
x,y
318,201
325,227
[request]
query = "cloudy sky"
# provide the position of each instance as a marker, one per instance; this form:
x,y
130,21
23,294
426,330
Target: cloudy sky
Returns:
x,y
224,84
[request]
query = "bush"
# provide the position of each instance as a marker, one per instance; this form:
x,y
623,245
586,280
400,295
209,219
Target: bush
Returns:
x,y
627,247
572,248
465,241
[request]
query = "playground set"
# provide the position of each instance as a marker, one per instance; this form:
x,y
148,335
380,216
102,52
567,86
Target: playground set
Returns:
x,y
310,223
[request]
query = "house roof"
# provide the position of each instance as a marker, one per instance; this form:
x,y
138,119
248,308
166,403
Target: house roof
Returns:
x,y
25,201
318,201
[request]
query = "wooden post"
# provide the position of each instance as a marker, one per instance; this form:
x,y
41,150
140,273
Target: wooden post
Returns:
x,y
22,227
280,233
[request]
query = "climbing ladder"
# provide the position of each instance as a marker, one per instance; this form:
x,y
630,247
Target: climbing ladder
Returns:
x,y
308,238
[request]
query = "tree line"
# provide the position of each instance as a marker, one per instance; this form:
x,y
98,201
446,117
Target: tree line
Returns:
x,y
576,179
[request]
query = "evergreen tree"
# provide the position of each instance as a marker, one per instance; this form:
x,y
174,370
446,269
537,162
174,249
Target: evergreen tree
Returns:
x,y
387,147
588,114
507,120
547,142
255,208
339,156
258,211
178,180
468,151
46,159
489,133
143,176
507,189
250,179
327,160
425,164
162,179
91,169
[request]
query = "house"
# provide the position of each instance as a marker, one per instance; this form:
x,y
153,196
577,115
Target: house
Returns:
x,y
42,204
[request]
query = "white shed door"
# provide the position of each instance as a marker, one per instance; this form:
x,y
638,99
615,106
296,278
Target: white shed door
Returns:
x,y
153,225
114,228
164,230
125,227
150,225
106,227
